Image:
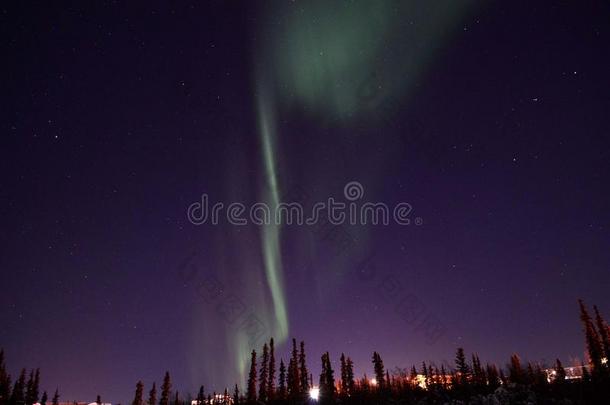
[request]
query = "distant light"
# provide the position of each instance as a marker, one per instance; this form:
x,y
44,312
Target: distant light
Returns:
x,y
604,360
314,393
373,381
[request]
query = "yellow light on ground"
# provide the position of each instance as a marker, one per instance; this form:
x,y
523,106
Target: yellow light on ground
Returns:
x,y
314,393
373,381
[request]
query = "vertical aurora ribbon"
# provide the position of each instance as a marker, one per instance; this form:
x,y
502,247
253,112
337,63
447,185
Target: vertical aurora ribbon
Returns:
x,y
270,234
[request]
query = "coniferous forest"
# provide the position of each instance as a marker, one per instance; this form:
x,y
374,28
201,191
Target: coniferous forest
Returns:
x,y
289,381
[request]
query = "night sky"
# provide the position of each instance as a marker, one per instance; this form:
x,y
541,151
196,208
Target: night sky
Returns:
x,y
490,120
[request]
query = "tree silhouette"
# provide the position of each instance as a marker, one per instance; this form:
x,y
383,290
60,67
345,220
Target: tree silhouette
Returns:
x,y
18,396
5,381
251,391
327,381
294,381
493,378
467,383
303,373
282,383
594,346
344,389
235,395
604,335
31,392
379,370
264,371
139,395
351,383
461,366
413,375
152,395
478,374
166,388
515,371
200,396
271,377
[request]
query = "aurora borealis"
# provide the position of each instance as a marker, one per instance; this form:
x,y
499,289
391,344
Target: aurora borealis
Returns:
x,y
488,119
325,59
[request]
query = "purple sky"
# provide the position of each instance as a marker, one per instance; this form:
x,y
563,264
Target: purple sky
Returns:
x,y
116,117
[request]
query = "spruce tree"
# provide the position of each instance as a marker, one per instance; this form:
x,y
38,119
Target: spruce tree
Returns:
x,y
493,378
478,374
44,398
413,375
604,335
560,373
594,346
32,387
330,377
303,373
176,399
515,371
235,395
530,375
152,395
344,389
5,381
36,386
166,388
251,390
379,370
327,381
271,377
351,383
98,400
264,371
461,366
282,383
323,374
139,395
18,396
55,400
29,390
290,379
200,396
294,381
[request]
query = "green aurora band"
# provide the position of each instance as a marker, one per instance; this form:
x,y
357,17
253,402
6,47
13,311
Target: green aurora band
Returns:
x,y
338,63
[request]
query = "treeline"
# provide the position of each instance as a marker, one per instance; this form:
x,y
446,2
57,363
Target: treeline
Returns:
x,y
467,381
25,391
